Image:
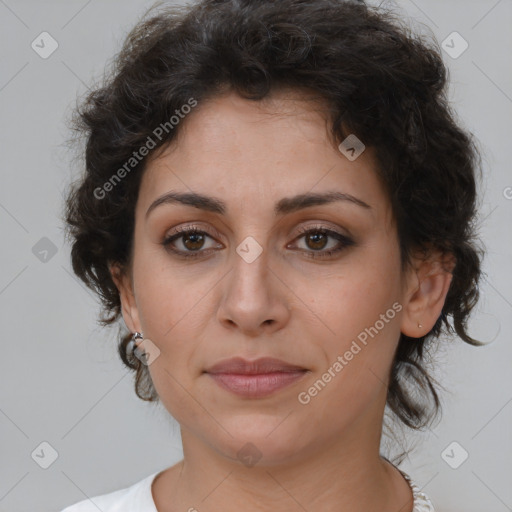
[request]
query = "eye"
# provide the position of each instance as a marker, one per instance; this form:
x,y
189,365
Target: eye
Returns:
x,y
317,238
191,241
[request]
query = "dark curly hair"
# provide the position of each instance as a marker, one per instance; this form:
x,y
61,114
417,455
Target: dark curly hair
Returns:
x,y
378,81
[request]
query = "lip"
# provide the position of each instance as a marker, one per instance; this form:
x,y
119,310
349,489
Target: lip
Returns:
x,y
255,379
241,366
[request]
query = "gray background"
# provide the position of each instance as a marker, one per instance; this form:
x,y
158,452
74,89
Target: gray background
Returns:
x,y
62,382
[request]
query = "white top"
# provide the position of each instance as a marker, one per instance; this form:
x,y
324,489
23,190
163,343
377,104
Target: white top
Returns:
x,y
138,498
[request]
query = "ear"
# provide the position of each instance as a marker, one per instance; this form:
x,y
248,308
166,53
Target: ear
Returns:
x,y
426,289
123,282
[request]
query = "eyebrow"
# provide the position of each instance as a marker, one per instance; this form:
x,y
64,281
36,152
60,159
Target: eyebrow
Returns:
x,y
282,207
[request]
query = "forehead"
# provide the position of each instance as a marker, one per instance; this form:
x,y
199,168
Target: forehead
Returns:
x,y
257,152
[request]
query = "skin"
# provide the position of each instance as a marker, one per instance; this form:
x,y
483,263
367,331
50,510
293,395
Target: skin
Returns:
x,y
323,455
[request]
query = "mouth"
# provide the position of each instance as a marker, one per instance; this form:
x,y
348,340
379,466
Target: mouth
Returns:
x,y
255,379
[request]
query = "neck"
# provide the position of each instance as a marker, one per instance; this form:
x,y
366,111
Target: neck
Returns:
x,y
345,473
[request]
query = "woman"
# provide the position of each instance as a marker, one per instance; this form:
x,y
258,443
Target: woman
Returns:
x,y
279,204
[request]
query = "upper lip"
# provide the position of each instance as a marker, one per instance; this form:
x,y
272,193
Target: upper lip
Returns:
x,y
238,365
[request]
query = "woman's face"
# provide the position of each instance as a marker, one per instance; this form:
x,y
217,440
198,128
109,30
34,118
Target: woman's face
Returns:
x,y
251,284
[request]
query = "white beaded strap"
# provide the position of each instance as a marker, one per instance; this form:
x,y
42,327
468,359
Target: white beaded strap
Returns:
x,y
421,500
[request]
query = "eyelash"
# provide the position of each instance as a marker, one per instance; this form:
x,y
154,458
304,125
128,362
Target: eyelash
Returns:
x,y
181,231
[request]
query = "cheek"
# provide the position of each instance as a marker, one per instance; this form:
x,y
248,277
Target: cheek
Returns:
x,y
344,304
357,318
357,365
169,313
173,308
165,299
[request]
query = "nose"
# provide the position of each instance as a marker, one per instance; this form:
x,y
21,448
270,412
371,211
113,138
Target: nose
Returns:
x,y
254,299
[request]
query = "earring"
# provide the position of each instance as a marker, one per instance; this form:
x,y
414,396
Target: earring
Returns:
x,y
132,345
420,326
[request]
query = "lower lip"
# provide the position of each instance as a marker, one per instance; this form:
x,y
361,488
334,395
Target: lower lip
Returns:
x,y
256,386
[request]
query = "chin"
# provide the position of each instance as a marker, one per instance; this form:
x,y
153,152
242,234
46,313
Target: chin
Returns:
x,y
261,441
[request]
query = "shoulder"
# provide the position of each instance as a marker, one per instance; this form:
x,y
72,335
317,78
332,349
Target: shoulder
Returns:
x,y
135,498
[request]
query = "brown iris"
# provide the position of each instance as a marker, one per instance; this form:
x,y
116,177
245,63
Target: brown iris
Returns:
x,y
197,240
319,240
